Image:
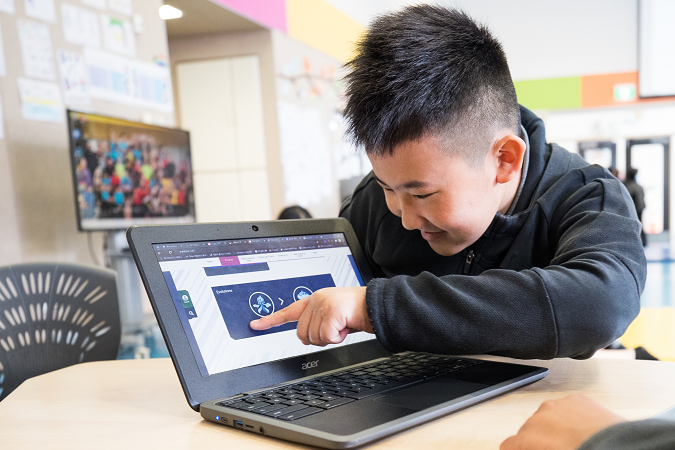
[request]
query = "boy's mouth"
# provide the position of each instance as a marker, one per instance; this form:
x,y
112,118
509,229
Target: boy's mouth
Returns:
x,y
431,235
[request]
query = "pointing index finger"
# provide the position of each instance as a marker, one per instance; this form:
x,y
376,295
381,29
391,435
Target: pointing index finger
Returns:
x,y
289,314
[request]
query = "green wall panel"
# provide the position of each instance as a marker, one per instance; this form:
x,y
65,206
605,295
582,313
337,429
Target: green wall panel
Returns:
x,y
554,93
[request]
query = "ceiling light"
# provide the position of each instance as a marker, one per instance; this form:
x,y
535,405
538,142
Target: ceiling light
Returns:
x,y
167,12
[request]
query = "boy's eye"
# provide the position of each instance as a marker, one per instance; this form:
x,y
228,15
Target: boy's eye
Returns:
x,y
422,196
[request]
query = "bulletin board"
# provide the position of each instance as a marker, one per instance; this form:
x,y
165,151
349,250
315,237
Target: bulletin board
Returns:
x,y
108,57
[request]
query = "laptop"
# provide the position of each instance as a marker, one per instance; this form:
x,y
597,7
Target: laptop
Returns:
x,y
206,282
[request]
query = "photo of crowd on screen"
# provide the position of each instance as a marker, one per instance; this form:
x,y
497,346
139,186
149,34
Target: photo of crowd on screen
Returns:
x,y
131,176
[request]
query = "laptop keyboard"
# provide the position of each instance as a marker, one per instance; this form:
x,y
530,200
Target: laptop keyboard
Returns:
x,y
319,394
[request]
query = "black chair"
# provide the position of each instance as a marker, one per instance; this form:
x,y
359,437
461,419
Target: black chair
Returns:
x,y
53,316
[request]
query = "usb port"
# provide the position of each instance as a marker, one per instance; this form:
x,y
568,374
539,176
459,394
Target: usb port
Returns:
x,y
239,423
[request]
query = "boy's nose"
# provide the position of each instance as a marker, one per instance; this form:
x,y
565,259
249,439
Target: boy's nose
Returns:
x,y
410,219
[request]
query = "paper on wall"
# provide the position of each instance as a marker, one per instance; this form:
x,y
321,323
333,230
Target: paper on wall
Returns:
x,y
71,24
41,101
100,4
125,81
121,6
91,29
74,82
80,27
152,86
305,153
36,49
109,76
41,9
118,35
3,62
7,6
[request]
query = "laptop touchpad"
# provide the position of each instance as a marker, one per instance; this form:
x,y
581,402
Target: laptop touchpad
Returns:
x,y
431,393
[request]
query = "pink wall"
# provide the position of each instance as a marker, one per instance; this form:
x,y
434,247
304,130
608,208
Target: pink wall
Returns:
x,y
269,13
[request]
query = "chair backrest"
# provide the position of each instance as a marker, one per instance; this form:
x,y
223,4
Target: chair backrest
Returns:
x,y
54,315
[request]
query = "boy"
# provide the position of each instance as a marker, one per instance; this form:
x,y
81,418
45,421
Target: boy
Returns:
x,y
484,238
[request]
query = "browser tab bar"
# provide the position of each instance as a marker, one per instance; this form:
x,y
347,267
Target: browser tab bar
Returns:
x,y
233,247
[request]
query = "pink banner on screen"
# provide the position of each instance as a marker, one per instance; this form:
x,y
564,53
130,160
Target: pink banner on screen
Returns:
x,y
269,13
229,261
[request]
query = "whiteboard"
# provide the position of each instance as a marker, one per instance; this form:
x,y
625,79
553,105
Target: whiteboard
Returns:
x,y
656,36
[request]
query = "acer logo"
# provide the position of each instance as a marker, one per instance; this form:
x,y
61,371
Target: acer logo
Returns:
x,y
310,365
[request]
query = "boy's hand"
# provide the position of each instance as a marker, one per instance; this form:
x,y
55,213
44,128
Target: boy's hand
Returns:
x,y
562,424
325,317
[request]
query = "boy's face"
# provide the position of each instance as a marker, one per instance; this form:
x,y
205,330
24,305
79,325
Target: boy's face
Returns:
x,y
451,202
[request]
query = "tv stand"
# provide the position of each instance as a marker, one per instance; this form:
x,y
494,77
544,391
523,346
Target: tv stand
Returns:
x,y
119,259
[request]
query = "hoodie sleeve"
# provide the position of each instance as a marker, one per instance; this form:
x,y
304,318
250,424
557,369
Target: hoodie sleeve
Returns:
x,y
580,302
652,434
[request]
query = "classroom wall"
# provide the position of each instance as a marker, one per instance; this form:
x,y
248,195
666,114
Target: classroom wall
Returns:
x,y
563,55
314,154
301,96
221,107
542,38
10,244
226,45
38,221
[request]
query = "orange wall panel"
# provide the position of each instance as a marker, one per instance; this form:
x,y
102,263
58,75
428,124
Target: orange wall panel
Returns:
x,y
598,90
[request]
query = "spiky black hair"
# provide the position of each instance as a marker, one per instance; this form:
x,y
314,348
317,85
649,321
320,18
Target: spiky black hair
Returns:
x,y
429,69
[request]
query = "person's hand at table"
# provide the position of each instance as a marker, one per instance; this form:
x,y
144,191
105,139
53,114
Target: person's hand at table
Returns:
x,y
325,317
562,424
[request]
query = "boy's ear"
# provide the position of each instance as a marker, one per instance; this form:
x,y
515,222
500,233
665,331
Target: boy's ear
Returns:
x,y
508,151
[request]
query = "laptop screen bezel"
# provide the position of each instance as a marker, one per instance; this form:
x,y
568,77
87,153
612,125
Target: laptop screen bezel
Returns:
x,y
198,388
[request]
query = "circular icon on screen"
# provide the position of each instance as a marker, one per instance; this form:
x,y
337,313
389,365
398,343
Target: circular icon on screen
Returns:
x,y
301,292
261,304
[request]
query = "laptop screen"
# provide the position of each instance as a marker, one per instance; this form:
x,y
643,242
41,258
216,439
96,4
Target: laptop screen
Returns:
x,y
218,287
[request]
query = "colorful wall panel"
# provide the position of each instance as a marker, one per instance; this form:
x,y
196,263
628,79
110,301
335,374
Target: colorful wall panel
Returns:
x,y
555,93
608,89
268,13
320,25
323,27
313,22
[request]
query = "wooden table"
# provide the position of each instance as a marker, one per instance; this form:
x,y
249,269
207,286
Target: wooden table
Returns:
x,y
139,404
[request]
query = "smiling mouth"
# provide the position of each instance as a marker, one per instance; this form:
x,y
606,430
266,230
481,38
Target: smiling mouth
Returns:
x,y
430,235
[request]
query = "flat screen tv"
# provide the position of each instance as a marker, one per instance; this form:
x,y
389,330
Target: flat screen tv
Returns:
x,y
127,173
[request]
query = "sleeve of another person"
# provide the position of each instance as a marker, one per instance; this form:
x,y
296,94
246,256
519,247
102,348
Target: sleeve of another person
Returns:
x,y
652,434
